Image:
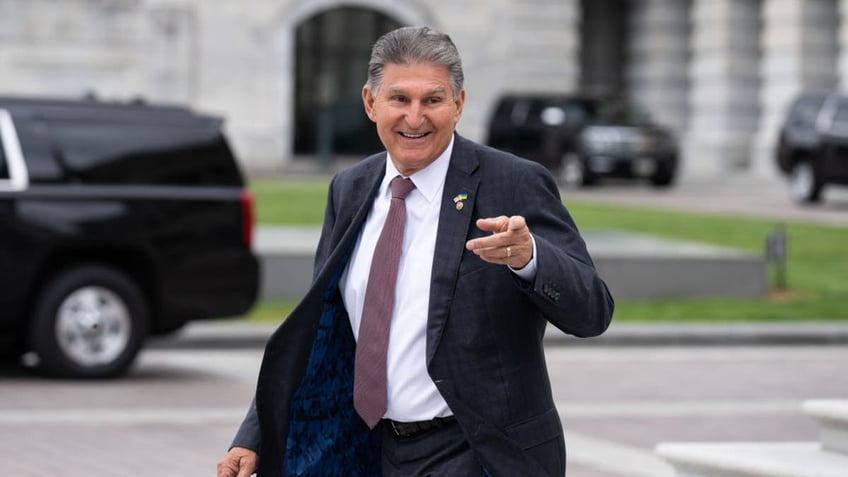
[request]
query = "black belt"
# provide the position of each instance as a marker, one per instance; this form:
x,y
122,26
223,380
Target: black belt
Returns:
x,y
406,430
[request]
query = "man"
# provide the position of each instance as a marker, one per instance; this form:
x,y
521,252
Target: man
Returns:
x,y
489,256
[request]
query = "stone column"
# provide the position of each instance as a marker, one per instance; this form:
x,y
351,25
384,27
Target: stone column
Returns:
x,y
169,54
842,46
658,55
543,45
725,86
799,45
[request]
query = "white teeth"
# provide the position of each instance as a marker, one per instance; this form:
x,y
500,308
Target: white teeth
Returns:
x,y
412,136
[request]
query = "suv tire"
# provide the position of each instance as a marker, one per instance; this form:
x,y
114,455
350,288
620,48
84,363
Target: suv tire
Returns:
x,y
804,184
573,172
89,322
662,178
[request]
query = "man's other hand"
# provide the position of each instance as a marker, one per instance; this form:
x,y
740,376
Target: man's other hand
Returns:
x,y
239,462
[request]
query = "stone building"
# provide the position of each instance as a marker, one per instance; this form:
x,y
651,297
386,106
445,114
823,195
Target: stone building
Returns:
x,y
287,73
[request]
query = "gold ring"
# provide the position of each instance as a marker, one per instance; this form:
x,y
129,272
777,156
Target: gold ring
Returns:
x,y
508,252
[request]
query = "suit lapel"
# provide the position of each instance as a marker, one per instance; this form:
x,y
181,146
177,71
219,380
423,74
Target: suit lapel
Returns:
x,y
354,208
451,237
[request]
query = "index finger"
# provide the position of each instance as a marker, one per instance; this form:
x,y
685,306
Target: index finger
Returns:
x,y
493,224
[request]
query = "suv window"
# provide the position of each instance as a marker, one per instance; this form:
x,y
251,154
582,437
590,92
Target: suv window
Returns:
x,y
37,149
532,113
533,116
807,109
143,154
579,113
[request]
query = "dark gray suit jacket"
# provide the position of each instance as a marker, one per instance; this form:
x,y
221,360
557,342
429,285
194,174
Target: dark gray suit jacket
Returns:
x,y
484,330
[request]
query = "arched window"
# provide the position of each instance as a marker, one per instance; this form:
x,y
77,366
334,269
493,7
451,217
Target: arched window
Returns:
x,y
331,67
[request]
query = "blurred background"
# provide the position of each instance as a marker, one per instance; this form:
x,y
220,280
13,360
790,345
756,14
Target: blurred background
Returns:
x,y
730,286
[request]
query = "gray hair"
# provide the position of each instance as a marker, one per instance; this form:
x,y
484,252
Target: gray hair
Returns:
x,y
415,45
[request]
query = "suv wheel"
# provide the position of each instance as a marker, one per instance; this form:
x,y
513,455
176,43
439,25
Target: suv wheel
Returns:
x,y
89,322
663,177
805,186
573,172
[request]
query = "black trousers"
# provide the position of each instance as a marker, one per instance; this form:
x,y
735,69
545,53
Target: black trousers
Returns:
x,y
441,452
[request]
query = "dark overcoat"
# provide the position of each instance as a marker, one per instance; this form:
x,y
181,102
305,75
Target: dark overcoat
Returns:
x,y
484,330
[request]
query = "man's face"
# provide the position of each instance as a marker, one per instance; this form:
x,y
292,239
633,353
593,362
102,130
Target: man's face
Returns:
x,y
415,113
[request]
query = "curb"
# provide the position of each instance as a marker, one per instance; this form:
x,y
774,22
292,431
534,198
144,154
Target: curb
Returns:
x,y
240,335
715,334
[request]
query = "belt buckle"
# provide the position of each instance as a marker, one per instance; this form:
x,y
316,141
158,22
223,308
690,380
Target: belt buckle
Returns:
x,y
395,429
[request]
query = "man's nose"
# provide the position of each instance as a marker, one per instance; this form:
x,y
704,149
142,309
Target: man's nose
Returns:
x,y
415,116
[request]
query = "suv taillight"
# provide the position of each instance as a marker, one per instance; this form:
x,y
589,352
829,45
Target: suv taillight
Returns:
x,y
247,217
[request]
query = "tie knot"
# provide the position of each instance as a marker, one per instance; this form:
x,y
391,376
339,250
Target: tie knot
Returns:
x,y
401,187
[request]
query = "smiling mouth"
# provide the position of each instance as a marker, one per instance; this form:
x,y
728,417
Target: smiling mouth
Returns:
x,y
412,135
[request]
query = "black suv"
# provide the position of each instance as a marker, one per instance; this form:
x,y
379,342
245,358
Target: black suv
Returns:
x,y
812,146
583,138
117,221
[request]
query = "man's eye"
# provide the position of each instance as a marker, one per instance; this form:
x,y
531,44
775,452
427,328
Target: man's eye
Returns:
x,y
435,100
398,99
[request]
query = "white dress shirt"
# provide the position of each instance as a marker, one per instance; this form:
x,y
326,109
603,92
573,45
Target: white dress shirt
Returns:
x,y
412,395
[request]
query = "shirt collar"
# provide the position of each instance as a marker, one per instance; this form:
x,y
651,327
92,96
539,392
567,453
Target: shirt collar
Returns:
x,y
429,180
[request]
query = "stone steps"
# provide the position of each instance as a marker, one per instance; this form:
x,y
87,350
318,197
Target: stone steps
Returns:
x,y
827,458
833,423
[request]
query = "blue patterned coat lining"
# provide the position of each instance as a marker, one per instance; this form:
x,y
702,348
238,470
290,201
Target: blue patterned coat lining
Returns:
x,y
326,436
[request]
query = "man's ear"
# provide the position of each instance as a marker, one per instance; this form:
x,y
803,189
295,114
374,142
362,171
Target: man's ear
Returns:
x,y
459,102
368,101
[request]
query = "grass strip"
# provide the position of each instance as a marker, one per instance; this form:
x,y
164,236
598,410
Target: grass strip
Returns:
x,y
817,266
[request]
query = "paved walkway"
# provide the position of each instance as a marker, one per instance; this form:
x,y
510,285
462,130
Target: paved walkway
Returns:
x,y
178,409
736,195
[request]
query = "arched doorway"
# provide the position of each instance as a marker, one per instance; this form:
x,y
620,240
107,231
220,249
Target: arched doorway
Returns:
x,y
331,65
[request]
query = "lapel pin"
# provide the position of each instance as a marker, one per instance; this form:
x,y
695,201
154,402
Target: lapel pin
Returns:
x,y
458,200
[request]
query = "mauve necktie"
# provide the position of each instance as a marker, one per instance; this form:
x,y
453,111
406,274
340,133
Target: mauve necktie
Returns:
x,y
369,386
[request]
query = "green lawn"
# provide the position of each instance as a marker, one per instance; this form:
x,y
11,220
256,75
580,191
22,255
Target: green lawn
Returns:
x,y
817,269
298,201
